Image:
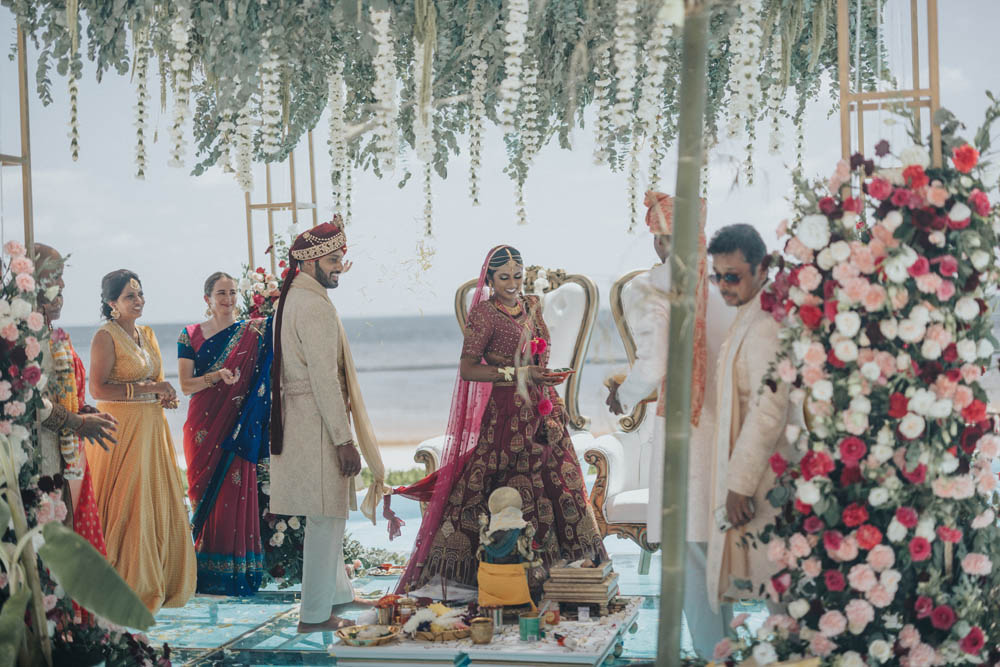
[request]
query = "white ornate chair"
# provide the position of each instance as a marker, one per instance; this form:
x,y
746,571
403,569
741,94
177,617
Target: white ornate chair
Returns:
x,y
621,492
569,304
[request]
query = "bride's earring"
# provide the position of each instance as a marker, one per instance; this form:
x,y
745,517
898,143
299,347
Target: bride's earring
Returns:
x,y
115,313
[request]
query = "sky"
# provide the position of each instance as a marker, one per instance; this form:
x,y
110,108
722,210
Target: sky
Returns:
x,y
175,229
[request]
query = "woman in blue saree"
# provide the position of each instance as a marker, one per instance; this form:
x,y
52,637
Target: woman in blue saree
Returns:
x,y
225,367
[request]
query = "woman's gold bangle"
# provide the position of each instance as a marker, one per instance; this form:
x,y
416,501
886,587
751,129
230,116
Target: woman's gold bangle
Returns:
x,y
129,391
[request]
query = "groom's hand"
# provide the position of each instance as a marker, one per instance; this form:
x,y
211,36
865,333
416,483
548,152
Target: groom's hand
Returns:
x,y
349,460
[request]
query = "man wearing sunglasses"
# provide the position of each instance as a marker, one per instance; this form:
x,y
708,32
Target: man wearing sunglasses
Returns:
x,y
751,420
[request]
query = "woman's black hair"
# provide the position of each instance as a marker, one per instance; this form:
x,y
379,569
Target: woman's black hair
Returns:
x,y
112,286
214,278
503,255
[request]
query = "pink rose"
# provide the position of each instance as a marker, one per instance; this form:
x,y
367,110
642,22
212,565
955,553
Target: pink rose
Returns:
x,y
881,557
36,322
883,235
799,250
981,521
848,550
963,397
909,636
10,333
844,272
979,201
832,623
862,258
859,614
840,175
820,646
879,188
899,299
58,507
977,565
812,567
14,248
786,371
855,289
943,487
938,334
6,426
14,408
987,483
886,363
874,298
989,446
928,282
922,655
971,373
799,545
22,265
820,408
862,577
811,375
723,649
32,348
776,550
936,196
815,354
44,513
809,277
947,266
25,282
880,596
945,290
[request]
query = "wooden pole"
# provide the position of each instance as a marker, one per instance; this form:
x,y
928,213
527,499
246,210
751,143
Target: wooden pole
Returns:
x,y
312,181
22,91
935,84
684,278
844,71
246,200
270,218
915,49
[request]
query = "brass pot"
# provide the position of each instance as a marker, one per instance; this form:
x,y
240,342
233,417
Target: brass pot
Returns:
x,y
481,629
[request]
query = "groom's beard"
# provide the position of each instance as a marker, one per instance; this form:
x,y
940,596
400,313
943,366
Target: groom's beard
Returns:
x,y
328,280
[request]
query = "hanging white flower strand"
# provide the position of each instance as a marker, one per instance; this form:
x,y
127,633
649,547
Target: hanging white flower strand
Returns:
x,y
244,148
744,43
141,106
226,129
270,100
633,186
180,66
515,39
775,98
74,116
384,91
337,100
477,114
530,137
423,129
625,60
602,93
648,115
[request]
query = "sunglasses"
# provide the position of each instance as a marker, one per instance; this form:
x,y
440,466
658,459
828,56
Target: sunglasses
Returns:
x,y
728,278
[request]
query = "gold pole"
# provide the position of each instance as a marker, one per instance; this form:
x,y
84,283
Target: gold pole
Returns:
x,y
270,218
312,180
22,90
246,199
843,67
915,48
932,66
291,177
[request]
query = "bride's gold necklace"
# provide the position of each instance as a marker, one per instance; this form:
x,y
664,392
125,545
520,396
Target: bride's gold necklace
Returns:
x,y
513,312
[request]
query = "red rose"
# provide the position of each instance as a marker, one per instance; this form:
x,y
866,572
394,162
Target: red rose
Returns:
x,y
832,539
965,158
778,463
923,606
900,197
879,188
953,535
813,524
815,464
852,450
282,264
284,274
919,267
958,224
810,315
972,643
915,177
974,412
947,266
907,516
943,617
260,269
833,359
827,205
258,299
850,475
950,353
781,582
980,202
852,204
920,549
802,508
917,475
32,374
869,537
834,580
970,436
854,515
830,309
898,404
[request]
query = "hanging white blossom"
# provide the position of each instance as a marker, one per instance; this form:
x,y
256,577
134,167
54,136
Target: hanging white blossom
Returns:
x,y
336,101
141,108
348,187
226,129
602,94
244,148
625,60
477,115
775,97
180,65
652,83
270,102
744,44
531,138
522,211
423,130
74,117
384,91
633,186
515,38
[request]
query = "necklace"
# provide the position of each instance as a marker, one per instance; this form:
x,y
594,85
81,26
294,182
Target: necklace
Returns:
x,y
513,312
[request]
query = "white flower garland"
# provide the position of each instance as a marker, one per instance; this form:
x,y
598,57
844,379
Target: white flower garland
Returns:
x,y
423,132
775,98
652,84
141,107
515,38
744,43
180,65
348,191
244,148
602,93
74,117
522,212
625,60
531,138
226,129
337,101
633,186
477,115
270,101
385,92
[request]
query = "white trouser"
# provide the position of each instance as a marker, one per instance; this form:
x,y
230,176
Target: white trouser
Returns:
x,y
706,627
324,579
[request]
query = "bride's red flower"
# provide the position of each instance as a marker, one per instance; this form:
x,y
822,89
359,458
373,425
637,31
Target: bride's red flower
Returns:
x,y
965,158
538,346
811,315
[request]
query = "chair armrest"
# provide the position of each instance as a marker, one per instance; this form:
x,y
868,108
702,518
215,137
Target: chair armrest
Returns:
x,y
582,441
429,453
608,456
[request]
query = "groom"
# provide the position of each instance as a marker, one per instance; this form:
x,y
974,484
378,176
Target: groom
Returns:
x,y
314,457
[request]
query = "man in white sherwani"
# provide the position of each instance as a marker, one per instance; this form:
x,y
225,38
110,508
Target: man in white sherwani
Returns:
x,y
314,458
751,422
648,375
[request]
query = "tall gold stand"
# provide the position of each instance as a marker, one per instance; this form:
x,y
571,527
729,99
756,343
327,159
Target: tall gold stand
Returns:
x,y
269,205
24,159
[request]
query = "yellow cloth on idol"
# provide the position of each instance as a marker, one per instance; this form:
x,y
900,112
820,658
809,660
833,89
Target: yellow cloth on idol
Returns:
x,y
503,585
140,497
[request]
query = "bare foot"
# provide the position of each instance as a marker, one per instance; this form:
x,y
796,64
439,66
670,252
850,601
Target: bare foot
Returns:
x,y
332,623
364,602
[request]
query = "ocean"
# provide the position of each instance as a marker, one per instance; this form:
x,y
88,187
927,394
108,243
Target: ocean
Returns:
x,y
407,368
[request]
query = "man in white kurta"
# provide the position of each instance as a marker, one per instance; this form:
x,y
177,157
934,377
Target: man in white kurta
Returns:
x,y
314,458
751,422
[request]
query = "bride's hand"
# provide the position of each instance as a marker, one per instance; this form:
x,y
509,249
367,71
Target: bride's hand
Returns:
x,y
538,375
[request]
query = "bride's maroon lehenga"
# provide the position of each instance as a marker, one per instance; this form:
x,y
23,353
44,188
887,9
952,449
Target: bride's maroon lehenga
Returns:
x,y
519,448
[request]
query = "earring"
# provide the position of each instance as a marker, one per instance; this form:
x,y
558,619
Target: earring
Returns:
x,y
208,311
115,314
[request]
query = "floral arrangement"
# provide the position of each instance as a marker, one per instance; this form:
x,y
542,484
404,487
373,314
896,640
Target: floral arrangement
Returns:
x,y
259,290
888,535
283,538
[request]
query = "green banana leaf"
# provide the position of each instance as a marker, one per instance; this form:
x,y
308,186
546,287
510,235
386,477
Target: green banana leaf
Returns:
x,y
12,626
89,579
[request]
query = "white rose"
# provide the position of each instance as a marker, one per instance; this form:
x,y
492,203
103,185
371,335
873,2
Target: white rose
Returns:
x,y
258,277
911,425
822,390
846,350
277,539
272,285
920,314
294,523
861,404
882,453
915,155
281,526
967,350
930,349
892,220
980,259
848,322
20,309
18,433
910,331
825,259
814,231
985,350
851,659
808,493
885,437
895,270
960,212
892,621
798,609
871,371
259,287
888,328
937,238
949,463
966,309
902,361
244,285
966,181
941,409
925,529
897,531
878,497
849,220
764,654
880,649
4,307
799,348
840,251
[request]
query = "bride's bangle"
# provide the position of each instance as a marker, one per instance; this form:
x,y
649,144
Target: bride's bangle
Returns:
x,y
507,373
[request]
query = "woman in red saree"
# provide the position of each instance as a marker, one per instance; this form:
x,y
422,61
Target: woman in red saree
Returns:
x,y
225,367
507,428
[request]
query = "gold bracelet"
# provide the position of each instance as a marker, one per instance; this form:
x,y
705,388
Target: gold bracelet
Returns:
x,y
129,391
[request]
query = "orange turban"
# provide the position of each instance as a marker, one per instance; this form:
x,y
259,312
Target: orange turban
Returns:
x,y
660,220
